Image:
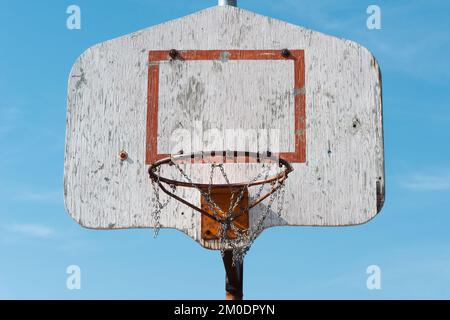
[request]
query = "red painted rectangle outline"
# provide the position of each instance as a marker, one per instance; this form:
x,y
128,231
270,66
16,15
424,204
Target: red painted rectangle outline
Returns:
x,y
298,156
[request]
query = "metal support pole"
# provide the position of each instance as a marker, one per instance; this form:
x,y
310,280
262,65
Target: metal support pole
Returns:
x,y
228,3
234,277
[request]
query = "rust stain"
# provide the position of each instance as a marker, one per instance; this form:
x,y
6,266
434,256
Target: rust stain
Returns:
x,y
222,196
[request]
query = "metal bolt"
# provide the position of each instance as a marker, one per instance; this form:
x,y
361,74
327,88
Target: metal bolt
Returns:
x,y
173,53
285,53
123,155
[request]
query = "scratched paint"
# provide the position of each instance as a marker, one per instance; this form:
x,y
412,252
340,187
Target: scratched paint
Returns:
x,y
341,182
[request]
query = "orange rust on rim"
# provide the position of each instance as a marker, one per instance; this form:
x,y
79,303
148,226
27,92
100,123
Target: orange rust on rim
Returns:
x,y
298,156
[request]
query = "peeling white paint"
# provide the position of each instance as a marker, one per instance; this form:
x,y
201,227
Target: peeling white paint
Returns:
x,y
107,109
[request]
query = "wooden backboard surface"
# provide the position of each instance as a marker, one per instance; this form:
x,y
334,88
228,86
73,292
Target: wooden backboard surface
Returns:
x,y
340,179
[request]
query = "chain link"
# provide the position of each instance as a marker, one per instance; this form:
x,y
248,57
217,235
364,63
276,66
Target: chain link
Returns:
x,y
243,238
158,205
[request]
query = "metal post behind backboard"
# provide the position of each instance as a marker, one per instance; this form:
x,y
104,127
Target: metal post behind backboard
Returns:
x,y
228,3
234,277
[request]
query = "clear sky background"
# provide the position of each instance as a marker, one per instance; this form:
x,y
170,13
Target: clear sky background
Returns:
x,y
409,240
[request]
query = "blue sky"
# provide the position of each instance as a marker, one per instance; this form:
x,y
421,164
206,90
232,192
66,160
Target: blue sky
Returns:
x,y
409,240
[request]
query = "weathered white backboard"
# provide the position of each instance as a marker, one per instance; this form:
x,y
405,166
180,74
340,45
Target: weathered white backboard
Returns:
x,y
319,105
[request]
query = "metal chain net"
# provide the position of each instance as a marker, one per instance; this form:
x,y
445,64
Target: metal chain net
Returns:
x,y
244,239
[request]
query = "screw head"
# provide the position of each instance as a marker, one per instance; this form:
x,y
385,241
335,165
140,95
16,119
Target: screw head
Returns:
x,y
285,53
173,53
123,155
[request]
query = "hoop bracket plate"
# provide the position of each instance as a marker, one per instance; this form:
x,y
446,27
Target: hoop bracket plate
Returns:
x,y
210,228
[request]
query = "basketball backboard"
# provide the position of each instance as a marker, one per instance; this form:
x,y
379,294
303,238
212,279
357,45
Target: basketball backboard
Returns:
x,y
224,79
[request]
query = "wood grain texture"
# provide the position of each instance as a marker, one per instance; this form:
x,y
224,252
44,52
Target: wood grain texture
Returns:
x,y
341,182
